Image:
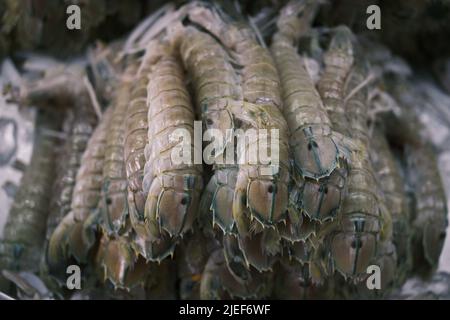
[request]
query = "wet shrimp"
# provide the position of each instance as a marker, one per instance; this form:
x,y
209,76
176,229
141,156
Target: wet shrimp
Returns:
x,y
217,95
428,217
173,189
218,283
74,236
114,206
314,148
392,185
263,196
24,233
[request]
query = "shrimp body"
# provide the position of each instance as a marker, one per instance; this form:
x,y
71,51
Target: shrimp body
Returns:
x,y
338,62
217,95
315,151
430,213
136,132
263,196
193,254
392,185
313,147
114,206
73,236
354,243
173,187
218,195
24,233
79,133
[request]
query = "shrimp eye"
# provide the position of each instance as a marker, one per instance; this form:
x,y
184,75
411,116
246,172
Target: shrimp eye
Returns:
x,y
184,201
270,189
108,201
209,121
309,146
325,190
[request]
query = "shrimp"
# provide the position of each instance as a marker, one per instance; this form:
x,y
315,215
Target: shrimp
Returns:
x,y
114,207
160,283
116,255
118,263
315,151
259,251
392,185
82,126
135,140
217,95
430,213
24,233
354,242
292,281
428,218
173,187
193,252
59,84
264,197
73,236
214,81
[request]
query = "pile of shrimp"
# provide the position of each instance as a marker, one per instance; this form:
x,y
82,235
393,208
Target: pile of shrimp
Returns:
x,y
355,185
